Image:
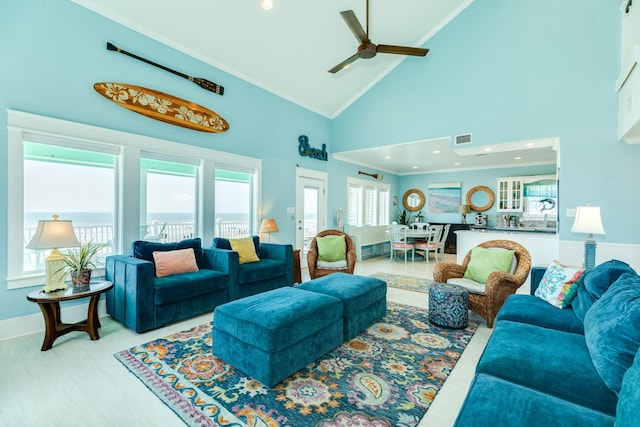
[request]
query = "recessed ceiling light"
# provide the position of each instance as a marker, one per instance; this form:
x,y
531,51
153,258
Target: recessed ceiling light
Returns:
x,y
436,151
387,157
457,163
414,167
487,149
517,158
266,4
530,144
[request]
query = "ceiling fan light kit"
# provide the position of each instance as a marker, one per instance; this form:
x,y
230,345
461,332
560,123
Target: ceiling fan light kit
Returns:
x,y
368,49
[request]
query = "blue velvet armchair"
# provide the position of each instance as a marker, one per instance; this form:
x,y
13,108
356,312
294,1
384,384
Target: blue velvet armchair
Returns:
x,y
141,301
274,270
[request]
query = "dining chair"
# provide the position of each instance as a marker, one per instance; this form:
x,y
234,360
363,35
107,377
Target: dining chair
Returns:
x,y
399,242
430,244
443,241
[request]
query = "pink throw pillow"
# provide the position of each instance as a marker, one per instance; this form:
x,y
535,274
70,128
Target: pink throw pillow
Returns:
x,y
175,262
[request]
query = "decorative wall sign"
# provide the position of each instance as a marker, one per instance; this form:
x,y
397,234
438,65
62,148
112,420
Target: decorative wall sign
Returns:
x,y
444,197
304,149
161,106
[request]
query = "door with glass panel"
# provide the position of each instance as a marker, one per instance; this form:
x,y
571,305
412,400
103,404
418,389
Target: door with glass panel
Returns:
x,y
311,210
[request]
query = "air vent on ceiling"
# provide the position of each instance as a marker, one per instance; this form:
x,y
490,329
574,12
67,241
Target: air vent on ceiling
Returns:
x,y
463,139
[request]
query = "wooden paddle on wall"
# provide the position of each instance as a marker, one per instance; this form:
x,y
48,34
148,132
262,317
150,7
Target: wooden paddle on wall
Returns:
x,y
203,83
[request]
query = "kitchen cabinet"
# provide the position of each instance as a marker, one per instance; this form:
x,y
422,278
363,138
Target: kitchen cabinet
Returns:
x,y
628,83
510,194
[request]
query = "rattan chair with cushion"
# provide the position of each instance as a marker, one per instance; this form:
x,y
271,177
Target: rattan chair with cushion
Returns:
x,y
487,298
319,267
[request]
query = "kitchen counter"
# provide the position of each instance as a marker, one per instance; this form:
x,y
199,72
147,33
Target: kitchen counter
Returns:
x,y
549,230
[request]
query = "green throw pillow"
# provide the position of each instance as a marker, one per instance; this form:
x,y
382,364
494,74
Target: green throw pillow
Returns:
x,y
331,248
485,261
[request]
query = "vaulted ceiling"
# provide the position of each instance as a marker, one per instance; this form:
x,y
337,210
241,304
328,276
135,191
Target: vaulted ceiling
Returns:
x,y
289,49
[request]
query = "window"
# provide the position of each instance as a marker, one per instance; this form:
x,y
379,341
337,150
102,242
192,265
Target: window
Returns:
x,y
52,186
234,206
168,202
367,203
121,183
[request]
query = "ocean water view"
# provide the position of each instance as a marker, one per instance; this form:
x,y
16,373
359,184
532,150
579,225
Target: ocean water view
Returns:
x,y
107,218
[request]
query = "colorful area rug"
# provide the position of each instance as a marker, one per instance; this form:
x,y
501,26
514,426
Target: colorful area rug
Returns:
x,y
386,376
417,284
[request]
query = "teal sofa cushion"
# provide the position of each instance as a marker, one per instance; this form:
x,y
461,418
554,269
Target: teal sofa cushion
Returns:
x,y
628,413
262,270
552,362
188,285
142,249
595,282
494,402
532,310
611,330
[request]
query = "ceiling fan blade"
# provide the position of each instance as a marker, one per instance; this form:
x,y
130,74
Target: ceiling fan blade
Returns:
x,y
402,50
344,64
354,25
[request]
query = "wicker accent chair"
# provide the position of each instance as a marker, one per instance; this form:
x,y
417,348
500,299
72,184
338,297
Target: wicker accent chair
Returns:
x,y
312,255
499,284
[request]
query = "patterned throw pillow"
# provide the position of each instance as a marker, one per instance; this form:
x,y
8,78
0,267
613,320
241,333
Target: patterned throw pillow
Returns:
x,y
559,284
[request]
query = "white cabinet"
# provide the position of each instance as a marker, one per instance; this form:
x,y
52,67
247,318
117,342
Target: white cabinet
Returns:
x,y
628,83
510,194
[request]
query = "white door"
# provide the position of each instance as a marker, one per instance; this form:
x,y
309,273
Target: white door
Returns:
x,y
311,208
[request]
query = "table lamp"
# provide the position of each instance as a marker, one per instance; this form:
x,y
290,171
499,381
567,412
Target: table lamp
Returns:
x,y
54,234
268,226
588,221
464,210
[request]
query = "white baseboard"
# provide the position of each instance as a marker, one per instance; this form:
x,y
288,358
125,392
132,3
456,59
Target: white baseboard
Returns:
x,y
33,323
572,252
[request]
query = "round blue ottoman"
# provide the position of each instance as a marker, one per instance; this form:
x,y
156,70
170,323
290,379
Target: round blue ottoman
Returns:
x,y
448,305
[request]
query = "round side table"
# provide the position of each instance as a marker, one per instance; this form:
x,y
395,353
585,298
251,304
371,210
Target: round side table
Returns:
x,y
50,306
448,305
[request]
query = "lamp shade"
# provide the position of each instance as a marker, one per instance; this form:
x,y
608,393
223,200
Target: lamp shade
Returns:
x,y
464,209
268,225
51,234
588,220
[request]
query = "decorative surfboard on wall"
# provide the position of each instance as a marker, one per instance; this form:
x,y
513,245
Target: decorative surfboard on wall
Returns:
x,y
162,106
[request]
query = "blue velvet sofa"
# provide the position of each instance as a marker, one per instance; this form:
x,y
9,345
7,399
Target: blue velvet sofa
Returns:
x,y
141,301
576,366
274,270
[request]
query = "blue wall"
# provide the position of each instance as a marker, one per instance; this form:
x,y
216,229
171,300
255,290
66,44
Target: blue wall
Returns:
x,y
505,70
511,70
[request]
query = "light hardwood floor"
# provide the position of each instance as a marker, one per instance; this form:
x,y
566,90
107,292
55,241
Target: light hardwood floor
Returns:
x,y
79,382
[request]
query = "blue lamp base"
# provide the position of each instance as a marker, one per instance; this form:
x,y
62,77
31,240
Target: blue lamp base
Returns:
x,y
589,253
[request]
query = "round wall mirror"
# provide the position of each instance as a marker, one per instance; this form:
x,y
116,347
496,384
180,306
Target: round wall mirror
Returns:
x,y
413,200
480,198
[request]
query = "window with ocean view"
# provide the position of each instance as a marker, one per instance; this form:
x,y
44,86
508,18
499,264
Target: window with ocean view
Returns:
x,y
63,181
168,202
118,187
234,195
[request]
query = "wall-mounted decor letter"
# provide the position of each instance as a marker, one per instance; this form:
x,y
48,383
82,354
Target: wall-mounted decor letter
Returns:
x,y
304,149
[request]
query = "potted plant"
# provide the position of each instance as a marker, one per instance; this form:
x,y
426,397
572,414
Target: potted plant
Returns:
x,y
79,263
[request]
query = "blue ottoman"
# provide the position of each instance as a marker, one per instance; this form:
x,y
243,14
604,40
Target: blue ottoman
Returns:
x,y
448,305
364,298
271,335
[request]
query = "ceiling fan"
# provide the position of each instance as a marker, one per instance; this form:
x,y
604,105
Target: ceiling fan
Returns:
x,y
367,49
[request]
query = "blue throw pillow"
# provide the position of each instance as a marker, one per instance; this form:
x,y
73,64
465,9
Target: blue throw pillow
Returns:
x,y
611,330
595,282
144,250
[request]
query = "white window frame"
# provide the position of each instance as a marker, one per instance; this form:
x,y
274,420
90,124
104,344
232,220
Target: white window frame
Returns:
x,y
24,126
378,202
